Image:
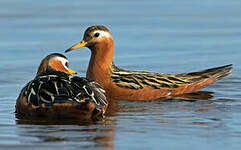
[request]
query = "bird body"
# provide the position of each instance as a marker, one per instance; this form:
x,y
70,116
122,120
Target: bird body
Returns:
x,y
138,85
54,92
149,85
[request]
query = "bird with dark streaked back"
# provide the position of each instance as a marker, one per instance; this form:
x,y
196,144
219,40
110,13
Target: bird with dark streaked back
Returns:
x,y
138,85
55,93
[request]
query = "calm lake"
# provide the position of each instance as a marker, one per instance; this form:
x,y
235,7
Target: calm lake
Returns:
x,y
159,36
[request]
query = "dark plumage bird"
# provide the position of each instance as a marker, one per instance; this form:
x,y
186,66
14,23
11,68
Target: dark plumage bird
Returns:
x,y
56,93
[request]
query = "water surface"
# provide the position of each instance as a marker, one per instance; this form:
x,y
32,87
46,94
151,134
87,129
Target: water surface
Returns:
x,y
159,36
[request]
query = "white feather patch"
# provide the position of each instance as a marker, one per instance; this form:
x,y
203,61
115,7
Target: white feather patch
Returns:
x,y
102,34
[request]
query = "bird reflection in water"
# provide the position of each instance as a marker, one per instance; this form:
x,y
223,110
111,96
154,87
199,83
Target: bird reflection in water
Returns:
x,y
83,133
97,133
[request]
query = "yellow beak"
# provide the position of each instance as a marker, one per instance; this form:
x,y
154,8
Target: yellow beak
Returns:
x,y
78,45
72,71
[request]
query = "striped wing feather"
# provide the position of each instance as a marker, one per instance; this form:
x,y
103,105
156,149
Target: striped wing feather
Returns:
x,y
138,79
61,88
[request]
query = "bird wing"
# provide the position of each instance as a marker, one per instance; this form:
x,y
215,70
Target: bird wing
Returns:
x,y
140,79
61,88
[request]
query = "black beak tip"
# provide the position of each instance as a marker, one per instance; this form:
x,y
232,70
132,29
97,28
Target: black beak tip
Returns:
x,y
66,51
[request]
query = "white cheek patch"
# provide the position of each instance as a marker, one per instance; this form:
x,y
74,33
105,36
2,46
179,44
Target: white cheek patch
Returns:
x,y
63,61
102,34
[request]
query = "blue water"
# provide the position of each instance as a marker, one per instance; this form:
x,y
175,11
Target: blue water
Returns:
x,y
159,36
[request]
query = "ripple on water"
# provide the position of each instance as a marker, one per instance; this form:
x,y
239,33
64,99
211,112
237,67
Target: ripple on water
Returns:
x,y
158,36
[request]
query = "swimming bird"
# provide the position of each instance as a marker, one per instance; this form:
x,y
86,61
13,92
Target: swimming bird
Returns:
x,y
56,93
124,84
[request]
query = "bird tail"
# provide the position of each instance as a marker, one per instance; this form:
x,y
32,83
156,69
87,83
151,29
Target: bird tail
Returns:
x,y
217,73
200,79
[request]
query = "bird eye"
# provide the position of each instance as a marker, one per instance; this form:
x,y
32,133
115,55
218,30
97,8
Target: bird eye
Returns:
x,y
67,64
96,34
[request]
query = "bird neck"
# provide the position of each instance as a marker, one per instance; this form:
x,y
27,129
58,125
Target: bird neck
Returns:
x,y
42,67
99,68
